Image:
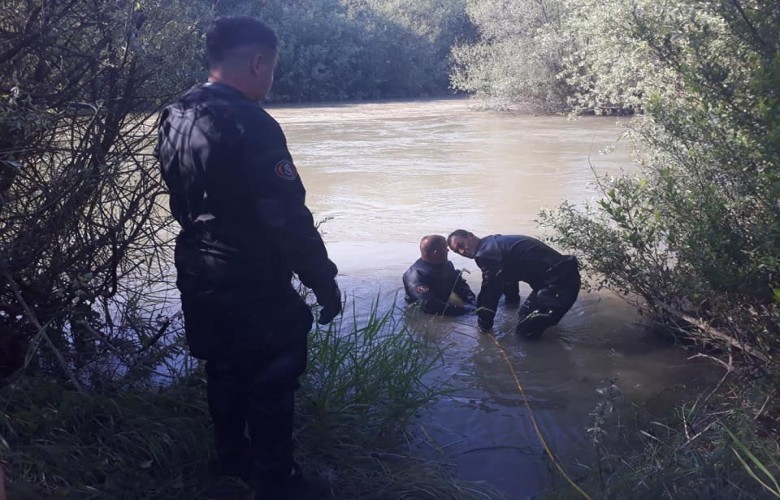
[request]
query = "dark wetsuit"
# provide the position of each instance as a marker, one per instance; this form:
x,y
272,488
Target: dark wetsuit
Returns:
x,y
430,285
554,279
244,230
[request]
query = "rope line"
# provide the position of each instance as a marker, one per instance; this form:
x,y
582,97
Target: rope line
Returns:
x,y
534,422
530,411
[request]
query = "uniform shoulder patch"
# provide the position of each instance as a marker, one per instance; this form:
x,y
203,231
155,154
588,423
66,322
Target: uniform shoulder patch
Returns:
x,y
422,289
286,170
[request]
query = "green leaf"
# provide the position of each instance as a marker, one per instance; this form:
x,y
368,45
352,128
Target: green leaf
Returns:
x,y
757,463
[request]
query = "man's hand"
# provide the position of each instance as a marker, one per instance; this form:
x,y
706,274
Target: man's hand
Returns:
x,y
329,297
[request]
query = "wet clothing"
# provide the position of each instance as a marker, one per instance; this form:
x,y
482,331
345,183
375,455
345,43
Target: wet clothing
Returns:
x,y
430,285
245,230
507,260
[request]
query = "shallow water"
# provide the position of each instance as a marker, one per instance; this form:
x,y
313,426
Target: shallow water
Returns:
x,y
385,174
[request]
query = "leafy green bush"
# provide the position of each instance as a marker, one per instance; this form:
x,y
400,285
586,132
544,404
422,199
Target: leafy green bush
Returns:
x,y
696,234
517,56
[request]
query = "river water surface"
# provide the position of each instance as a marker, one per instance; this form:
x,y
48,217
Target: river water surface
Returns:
x,y
385,174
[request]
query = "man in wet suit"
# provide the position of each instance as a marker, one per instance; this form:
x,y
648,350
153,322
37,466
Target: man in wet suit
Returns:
x,y
432,279
245,229
554,278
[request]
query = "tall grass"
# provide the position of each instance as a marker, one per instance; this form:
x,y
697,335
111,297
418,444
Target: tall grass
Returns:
x,y
358,400
366,387
132,444
720,446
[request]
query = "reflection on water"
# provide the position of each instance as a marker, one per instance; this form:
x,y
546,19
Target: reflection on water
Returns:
x,y
388,173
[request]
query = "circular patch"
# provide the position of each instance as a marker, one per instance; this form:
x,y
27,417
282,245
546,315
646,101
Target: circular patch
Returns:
x,y
286,170
422,289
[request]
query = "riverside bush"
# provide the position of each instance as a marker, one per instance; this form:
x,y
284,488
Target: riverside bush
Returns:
x,y
81,230
696,234
694,238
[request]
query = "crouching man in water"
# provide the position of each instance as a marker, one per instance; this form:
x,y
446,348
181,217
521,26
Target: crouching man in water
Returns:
x,y
245,229
506,260
432,280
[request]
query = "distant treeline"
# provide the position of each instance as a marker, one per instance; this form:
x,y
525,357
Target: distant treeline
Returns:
x,y
357,49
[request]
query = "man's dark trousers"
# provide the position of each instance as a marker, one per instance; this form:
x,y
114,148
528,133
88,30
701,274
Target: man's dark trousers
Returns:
x,y
546,306
254,356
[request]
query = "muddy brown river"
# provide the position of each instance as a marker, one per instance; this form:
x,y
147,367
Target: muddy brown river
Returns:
x,y
384,174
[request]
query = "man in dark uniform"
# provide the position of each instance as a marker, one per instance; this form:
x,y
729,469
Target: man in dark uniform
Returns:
x,y
554,278
432,279
245,229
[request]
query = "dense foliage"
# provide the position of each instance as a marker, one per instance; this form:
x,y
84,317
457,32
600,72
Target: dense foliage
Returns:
x,y
518,55
80,225
358,49
697,232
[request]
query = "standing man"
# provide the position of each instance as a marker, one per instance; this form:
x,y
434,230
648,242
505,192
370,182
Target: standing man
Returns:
x,y
433,279
506,260
245,230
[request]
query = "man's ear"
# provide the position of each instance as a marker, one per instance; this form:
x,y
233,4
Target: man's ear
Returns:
x,y
257,62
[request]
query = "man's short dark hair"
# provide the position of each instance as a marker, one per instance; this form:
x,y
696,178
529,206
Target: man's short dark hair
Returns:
x,y
231,32
462,233
432,242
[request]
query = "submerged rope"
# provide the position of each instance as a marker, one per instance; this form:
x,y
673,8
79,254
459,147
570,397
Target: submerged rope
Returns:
x,y
530,411
534,422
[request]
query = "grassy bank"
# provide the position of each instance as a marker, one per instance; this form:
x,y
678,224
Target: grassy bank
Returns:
x,y
354,427
721,445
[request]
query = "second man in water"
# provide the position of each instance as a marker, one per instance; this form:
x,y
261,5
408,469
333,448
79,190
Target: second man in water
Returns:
x,y
434,283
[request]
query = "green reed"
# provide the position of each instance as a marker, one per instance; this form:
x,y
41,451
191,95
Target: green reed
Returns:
x,y
723,445
365,388
354,426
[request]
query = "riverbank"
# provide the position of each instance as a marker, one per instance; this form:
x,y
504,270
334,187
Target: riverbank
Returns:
x,y
435,167
723,444
354,427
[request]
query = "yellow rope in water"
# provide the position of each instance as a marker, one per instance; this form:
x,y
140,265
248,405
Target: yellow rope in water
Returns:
x,y
533,420
531,413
